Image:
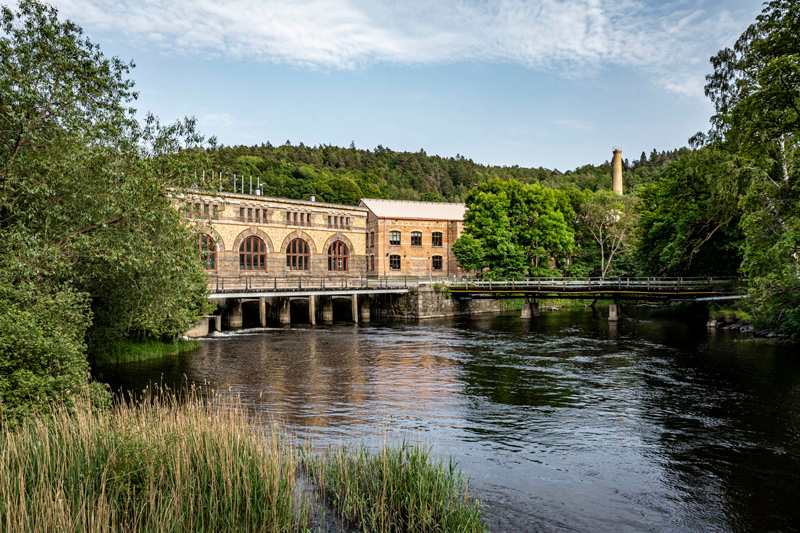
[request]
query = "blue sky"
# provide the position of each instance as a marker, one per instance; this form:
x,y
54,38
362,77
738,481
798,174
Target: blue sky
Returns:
x,y
551,83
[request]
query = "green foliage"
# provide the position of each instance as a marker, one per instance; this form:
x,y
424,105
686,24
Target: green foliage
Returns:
x,y
610,219
690,219
756,90
396,490
515,229
128,351
84,216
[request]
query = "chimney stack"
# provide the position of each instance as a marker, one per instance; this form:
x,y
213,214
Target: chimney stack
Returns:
x,y
616,165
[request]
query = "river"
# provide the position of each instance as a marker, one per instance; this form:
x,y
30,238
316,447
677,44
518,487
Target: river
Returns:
x,y
563,423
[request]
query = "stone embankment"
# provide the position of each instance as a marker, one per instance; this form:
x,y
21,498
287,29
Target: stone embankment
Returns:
x,y
742,326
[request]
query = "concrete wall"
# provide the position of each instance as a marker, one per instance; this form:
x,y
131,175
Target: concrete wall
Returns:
x,y
425,302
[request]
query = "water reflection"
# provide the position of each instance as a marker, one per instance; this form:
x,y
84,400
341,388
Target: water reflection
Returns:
x,y
565,422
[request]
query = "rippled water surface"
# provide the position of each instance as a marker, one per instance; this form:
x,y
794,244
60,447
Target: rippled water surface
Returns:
x,y
563,423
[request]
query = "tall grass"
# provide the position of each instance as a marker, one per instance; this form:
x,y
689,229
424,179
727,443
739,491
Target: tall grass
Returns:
x,y
395,489
167,462
152,465
130,351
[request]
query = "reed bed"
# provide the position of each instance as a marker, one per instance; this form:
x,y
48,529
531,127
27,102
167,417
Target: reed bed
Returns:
x,y
395,489
192,462
157,464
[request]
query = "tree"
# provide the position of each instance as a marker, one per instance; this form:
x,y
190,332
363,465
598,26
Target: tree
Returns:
x,y
689,220
755,88
469,253
519,227
93,248
610,218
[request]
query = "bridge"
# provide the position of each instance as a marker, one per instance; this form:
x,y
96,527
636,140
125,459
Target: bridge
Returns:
x,y
274,296
615,289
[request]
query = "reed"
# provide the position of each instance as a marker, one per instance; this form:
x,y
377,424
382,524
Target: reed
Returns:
x,y
395,489
157,464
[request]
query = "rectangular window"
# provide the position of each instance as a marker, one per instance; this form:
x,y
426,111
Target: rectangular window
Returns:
x,y
436,262
288,216
347,222
214,211
372,262
205,210
394,262
394,238
436,238
241,212
294,217
416,238
330,219
249,213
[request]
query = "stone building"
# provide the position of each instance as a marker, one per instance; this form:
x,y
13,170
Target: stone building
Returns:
x,y
242,235
405,238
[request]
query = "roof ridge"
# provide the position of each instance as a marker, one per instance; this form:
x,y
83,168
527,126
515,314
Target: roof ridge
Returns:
x,y
414,201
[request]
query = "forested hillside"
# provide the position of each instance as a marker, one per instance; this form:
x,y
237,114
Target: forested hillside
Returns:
x,y
343,175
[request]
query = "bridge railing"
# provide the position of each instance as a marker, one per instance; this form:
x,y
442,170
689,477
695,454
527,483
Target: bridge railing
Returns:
x,y
586,283
220,284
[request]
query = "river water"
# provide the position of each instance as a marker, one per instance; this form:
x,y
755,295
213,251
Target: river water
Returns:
x,y
563,423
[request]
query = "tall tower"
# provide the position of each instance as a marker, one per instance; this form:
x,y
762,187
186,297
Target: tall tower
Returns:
x,y
616,166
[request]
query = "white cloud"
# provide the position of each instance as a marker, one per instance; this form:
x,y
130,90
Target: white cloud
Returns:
x,y
571,37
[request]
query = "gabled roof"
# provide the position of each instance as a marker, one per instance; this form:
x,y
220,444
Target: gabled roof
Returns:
x,y
419,210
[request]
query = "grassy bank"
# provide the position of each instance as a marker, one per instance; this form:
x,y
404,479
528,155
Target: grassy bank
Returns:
x,y
132,351
160,464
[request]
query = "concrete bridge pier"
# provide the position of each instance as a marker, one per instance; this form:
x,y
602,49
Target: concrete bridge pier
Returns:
x,y
614,312
354,299
312,310
284,311
365,308
236,317
530,309
262,312
327,310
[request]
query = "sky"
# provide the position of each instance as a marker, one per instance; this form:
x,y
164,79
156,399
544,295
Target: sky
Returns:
x,y
534,83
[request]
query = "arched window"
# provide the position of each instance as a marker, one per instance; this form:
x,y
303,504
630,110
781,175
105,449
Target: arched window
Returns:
x,y
208,252
436,262
394,262
372,262
394,238
337,257
436,238
252,254
372,239
297,255
416,238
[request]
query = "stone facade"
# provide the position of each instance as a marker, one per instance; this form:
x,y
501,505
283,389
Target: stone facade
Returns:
x,y
230,218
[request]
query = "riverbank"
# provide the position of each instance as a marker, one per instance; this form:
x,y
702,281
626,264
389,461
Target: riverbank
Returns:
x,y
129,351
164,463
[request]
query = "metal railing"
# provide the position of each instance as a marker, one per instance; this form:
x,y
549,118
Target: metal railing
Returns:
x,y
220,284
648,284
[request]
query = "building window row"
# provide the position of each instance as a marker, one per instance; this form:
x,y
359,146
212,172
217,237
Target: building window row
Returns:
x,y
335,221
250,214
416,238
198,210
297,218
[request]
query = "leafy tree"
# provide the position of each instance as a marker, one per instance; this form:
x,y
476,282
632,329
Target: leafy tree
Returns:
x,y
610,219
755,88
519,227
93,249
689,223
469,253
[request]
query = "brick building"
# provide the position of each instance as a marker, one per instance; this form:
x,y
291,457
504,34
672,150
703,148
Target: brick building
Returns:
x,y
405,238
242,235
